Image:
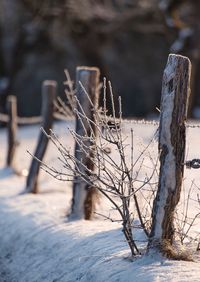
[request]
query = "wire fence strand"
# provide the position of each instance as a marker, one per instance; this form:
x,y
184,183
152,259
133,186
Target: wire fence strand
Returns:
x,y
59,116
32,120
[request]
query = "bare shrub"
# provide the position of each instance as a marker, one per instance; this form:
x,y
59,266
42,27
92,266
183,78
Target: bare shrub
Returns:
x,y
118,178
185,221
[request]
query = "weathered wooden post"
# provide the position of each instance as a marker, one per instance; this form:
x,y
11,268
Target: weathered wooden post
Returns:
x,y
49,89
174,106
83,202
12,129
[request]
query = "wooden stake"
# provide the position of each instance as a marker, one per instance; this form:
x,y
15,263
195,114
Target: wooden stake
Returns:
x,y
174,106
83,202
49,89
12,129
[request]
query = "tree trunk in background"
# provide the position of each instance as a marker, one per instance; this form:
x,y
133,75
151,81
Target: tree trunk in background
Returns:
x,y
174,106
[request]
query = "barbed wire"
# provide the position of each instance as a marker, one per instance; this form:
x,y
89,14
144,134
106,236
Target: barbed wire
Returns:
x,y
190,125
195,163
32,120
148,122
38,119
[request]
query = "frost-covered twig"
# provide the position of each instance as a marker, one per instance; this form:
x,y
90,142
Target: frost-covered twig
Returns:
x,y
113,176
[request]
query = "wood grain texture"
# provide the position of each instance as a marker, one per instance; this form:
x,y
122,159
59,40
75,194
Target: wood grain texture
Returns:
x,y
84,196
49,89
172,131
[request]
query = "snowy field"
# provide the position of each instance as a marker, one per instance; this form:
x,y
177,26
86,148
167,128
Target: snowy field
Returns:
x,y
38,244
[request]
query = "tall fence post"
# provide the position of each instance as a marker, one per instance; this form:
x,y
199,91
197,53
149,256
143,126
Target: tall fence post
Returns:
x,y
83,202
174,106
49,88
12,129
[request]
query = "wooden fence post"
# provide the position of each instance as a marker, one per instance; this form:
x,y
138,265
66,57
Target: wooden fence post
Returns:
x,y
49,89
83,202
174,106
12,129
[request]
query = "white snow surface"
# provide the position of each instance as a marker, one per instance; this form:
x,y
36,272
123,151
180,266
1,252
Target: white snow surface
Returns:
x,y
39,244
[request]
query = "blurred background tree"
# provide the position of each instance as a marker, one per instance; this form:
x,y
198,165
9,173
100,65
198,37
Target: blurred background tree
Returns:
x,y
129,40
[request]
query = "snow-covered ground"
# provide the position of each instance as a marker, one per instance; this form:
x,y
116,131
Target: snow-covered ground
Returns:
x,y
38,244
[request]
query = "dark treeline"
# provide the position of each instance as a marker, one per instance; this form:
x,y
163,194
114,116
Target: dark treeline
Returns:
x,y
128,40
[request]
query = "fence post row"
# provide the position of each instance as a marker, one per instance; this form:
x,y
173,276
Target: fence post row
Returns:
x,y
12,129
49,89
174,106
83,201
